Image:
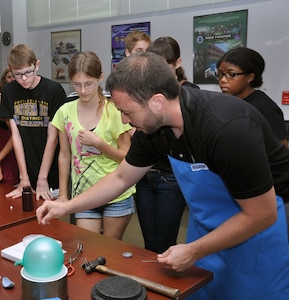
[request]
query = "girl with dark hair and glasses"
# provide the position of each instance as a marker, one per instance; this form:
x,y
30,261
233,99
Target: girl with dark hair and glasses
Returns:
x,y
239,72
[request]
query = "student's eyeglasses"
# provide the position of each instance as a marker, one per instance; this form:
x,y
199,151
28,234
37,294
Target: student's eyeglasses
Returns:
x,y
87,85
228,75
28,73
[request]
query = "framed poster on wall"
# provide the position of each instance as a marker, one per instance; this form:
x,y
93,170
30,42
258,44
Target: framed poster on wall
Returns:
x,y
118,34
64,44
213,36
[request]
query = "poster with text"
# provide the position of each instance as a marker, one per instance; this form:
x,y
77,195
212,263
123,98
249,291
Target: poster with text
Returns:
x,y
213,36
118,34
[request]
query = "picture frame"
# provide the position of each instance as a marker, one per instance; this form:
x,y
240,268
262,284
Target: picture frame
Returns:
x,y
214,35
64,45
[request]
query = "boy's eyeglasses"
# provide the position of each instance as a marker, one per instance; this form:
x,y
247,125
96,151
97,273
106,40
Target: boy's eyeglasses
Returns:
x,y
28,73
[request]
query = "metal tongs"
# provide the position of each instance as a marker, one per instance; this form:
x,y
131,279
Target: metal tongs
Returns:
x,y
72,258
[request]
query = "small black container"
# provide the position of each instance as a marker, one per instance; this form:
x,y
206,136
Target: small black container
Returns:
x,y
27,199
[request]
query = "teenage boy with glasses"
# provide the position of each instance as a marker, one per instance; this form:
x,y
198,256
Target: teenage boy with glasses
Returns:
x,y
30,103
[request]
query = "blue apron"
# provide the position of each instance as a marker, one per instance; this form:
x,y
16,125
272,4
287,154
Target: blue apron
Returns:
x,y
255,269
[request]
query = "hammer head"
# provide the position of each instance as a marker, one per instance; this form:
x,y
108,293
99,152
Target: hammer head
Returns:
x,y
89,267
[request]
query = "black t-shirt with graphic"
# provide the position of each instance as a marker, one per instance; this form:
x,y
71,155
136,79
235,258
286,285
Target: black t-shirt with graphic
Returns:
x,y
32,110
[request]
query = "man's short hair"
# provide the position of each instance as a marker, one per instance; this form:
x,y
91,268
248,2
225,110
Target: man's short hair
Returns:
x,y
143,75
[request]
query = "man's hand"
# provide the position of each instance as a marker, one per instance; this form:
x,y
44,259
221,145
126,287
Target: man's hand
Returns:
x,y
51,210
178,258
42,190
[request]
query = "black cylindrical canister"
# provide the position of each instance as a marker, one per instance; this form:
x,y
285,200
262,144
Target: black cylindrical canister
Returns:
x,y
27,199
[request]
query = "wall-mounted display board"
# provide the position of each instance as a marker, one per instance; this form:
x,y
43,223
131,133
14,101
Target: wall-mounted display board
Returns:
x,y
118,35
64,44
213,36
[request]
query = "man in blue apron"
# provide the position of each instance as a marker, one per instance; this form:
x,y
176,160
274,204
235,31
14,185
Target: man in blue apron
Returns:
x,y
232,171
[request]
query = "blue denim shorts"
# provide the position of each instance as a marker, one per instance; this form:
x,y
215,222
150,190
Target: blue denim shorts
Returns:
x,y
117,209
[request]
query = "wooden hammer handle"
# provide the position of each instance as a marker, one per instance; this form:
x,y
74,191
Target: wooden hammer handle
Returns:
x,y
150,285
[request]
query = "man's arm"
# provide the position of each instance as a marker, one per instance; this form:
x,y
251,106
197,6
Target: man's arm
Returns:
x,y
42,188
20,157
108,188
256,214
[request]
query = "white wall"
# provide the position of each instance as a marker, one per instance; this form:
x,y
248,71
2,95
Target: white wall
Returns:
x,y
6,25
268,33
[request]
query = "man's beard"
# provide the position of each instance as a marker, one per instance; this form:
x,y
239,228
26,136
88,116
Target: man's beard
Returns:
x,y
152,123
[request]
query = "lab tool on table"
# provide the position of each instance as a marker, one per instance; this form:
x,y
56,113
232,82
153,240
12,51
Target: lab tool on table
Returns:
x,y
72,258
